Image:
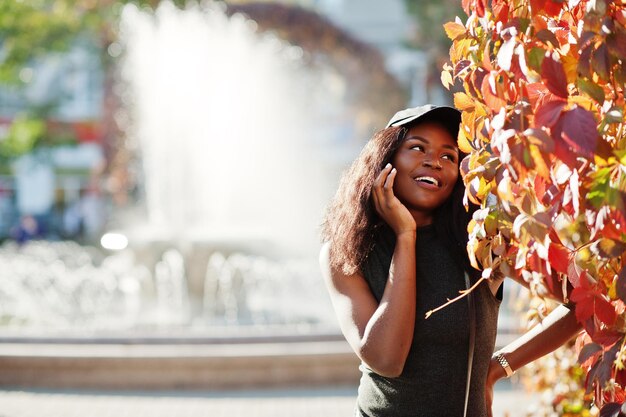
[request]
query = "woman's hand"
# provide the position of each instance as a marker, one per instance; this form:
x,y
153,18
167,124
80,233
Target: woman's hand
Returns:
x,y
390,209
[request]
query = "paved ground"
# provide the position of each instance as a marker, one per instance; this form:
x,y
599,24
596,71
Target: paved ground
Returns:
x,y
316,402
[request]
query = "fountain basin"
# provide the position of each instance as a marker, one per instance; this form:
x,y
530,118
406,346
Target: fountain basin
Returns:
x,y
158,363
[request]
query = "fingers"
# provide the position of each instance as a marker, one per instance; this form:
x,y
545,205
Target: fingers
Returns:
x,y
380,186
388,187
383,176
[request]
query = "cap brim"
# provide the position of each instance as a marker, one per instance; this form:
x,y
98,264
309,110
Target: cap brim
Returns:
x,y
443,113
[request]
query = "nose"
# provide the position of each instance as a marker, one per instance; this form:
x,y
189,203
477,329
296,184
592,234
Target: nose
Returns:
x,y
432,163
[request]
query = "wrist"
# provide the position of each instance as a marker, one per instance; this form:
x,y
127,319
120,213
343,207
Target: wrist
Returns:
x,y
503,366
406,234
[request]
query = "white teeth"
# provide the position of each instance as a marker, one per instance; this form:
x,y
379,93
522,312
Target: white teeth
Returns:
x,y
429,180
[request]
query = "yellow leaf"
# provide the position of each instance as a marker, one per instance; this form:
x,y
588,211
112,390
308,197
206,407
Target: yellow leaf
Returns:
x,y
584,102
460,49
463,142
446,79
541,167
454,30
468,122
463,102
570,65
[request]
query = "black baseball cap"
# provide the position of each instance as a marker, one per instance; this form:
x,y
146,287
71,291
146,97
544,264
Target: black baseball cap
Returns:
x,y
448,116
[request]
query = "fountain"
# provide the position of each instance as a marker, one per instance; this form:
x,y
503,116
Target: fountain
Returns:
x,y
219,285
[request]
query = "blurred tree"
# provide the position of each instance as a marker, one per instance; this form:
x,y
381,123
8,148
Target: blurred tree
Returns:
x,y
429,16
30,30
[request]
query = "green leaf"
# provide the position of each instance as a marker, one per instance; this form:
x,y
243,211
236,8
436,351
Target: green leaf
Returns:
x,y
592,89
535,57
600,62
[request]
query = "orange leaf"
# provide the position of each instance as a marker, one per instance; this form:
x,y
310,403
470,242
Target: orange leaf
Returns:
x,y
570,65
454,30
492,92
463,102
541,162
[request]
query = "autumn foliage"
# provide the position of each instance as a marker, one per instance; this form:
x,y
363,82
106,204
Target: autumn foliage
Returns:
x,y
543,124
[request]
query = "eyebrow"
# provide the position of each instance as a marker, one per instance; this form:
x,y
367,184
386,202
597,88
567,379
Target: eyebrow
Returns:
x,y
421,139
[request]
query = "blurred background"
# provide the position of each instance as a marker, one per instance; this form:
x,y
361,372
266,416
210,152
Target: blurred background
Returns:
x,y
164,168
171,161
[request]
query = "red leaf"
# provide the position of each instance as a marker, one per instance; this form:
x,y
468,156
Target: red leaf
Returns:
x,y
611,410
590,303
550,7
604,311
558,256
605,337
562,149
481,5
500,10
474,5
584,304
615,225
580,131
467,6
588,351
553,8
553,75
539,94
460,66
548,113
600,61
547,37
540,188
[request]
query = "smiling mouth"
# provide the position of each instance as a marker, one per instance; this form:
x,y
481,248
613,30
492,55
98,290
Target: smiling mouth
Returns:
x,y
428,180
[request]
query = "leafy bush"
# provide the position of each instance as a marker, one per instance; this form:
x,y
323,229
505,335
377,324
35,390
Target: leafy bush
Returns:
x,y
543,122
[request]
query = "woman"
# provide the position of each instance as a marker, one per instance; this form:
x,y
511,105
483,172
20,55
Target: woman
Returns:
x,y
395,236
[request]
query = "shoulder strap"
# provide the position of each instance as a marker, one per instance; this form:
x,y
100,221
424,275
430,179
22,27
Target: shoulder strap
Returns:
x,y
472,336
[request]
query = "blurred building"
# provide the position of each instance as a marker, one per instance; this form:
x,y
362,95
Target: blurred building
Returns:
x,y
387,25
66,90
63,92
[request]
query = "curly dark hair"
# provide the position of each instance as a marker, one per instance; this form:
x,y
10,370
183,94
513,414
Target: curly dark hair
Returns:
x,y
351,223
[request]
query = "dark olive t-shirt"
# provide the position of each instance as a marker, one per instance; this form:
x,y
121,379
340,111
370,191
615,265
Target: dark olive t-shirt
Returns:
x,y
434,378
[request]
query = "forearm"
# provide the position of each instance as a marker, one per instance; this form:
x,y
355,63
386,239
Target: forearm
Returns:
x,y
555,330
389,333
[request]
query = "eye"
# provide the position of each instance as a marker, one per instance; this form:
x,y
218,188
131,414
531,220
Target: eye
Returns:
x,y
418,148
450,157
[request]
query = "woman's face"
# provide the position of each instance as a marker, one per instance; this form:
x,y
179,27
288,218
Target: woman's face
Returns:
x,y
427,162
